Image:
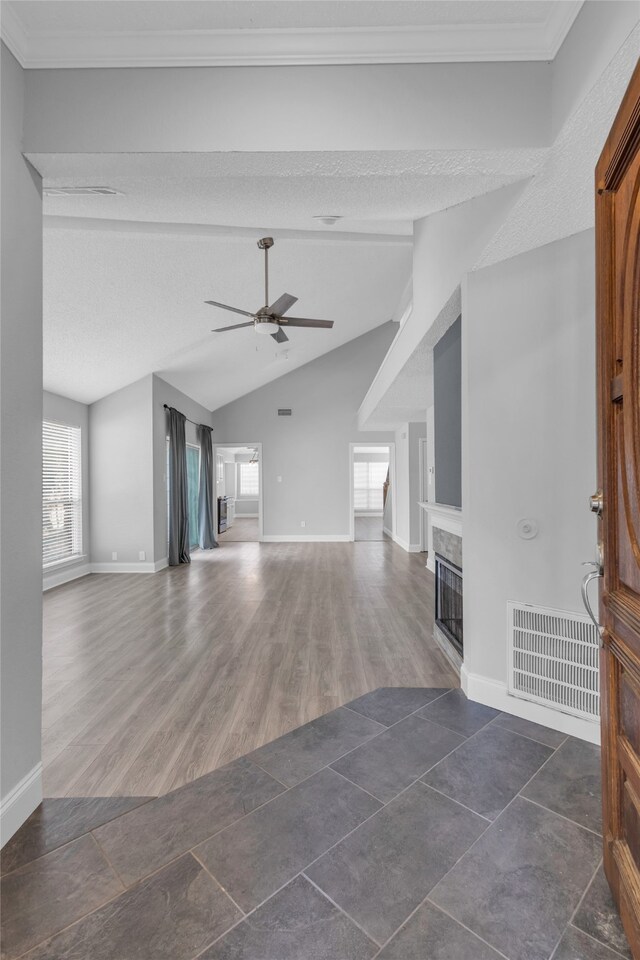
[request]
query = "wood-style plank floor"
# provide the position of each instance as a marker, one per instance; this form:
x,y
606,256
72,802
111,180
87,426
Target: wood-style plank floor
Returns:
x,y
153,680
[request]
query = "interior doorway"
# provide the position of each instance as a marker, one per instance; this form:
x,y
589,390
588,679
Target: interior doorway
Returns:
x,y
238,492
372,491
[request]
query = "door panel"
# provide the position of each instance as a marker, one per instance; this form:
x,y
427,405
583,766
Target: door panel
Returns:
x,y
618,347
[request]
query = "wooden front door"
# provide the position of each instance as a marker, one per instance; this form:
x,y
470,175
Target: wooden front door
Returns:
x,y
618,346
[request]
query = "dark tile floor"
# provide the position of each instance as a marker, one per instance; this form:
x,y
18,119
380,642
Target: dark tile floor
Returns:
x,y
410,824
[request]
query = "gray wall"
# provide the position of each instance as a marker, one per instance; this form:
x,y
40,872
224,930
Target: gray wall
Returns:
x,y
310,449
64,410
21,462
163,392
447,393
121,474
529,439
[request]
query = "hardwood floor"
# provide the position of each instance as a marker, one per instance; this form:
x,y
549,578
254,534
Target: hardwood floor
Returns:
x,y
243,529
369,528
152,680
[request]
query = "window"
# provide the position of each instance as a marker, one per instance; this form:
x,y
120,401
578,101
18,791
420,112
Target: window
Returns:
x,y
193,489
248,480
368,480
61,492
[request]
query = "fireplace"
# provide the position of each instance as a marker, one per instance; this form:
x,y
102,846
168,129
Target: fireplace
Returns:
x,y
449,601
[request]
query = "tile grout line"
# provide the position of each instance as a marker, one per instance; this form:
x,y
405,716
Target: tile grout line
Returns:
x,y
595,940
464,927
562,816
453,800
353,784
217,882
108,861
324,894
495,723
583,895
86,833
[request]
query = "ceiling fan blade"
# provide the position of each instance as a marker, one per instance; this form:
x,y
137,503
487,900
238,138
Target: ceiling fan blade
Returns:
x,y
236,326
301,322
225,306
280,336
282,304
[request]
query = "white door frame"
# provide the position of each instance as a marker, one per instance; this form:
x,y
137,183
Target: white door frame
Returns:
x,y
424,496
391,447
244,443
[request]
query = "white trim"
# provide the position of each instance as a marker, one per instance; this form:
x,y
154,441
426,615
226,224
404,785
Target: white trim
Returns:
x,y
409,547
246,516
58,577
495,694
20,803
434,43
116,566
443,517
391,447
308,538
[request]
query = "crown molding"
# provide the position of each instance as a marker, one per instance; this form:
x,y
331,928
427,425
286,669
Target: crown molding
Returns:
x,y
290,47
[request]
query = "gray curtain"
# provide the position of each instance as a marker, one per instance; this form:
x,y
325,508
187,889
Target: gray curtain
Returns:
x,y
178,497
206,522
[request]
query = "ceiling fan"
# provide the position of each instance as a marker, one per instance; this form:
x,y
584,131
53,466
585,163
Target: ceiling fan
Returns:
x,y
270,319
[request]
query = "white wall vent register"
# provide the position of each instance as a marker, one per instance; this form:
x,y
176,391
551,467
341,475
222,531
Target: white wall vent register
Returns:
x,y
553,659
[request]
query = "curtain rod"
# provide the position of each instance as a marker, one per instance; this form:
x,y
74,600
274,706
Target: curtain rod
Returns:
x,y
167,407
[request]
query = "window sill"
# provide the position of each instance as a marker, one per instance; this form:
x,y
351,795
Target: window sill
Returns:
x,y
56,564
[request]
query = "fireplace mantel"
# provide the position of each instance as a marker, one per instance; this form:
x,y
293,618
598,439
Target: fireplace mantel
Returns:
x,y
445,518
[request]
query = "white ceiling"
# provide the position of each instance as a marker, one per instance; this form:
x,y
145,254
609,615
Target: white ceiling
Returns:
x,y
182,32
381,192
123,300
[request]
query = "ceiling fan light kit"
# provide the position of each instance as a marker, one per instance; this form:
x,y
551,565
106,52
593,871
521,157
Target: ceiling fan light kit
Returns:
x,y
270,319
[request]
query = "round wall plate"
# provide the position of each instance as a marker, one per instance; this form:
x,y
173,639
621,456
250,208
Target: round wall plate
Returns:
x,y
527,528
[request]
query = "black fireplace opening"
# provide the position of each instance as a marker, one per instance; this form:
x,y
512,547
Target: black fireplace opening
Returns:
x,y
449,601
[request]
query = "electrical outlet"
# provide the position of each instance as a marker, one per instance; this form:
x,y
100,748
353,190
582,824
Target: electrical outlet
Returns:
x,y
114,555
142,555
303,523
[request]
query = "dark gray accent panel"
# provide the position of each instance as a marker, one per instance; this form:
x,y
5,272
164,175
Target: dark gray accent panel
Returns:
x,y
447,392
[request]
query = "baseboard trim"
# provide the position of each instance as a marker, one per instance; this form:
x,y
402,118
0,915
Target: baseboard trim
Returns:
x,y
409,547
245,516
495,694
58,577
431,563
20,803
388,532
307,538
116,566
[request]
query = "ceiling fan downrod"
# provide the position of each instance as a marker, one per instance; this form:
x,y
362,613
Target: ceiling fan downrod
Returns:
x,y
265,244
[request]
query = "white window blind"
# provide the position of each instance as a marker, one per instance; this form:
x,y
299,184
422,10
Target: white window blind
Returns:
x,y
368,479
61,492
249,481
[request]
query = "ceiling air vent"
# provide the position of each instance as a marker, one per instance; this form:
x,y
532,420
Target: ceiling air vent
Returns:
x,y
284,412
81,191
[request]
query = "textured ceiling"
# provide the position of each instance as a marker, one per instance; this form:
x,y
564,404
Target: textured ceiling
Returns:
x,y
559,200
43,16
121,303
379,192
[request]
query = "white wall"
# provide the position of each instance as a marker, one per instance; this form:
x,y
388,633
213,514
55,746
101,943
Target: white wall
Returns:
x,y
408,513
64,410
121,475
365,107
21,464
163,392
310,449
529,446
